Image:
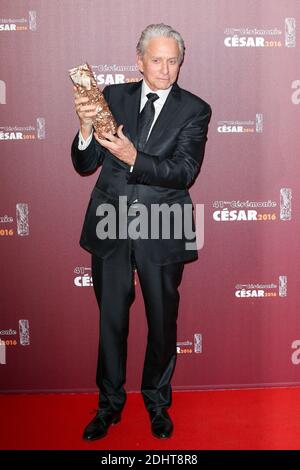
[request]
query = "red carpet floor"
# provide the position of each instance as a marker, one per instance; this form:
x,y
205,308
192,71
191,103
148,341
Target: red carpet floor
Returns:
x,y
232,419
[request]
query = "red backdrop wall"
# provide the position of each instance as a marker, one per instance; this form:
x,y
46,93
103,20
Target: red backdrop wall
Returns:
x,y
239,316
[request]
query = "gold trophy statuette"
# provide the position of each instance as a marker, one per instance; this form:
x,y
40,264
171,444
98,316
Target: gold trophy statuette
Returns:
x,y
84,80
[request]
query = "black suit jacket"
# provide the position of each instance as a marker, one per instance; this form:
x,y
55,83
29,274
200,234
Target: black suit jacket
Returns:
x,y
163,171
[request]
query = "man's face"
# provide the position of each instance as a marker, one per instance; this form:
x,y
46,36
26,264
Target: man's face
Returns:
x,y
160,63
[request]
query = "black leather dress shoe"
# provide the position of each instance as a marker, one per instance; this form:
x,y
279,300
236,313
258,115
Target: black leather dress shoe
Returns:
x,y
161,423
99,425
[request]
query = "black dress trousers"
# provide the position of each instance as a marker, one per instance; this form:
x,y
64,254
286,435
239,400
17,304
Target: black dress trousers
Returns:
x,y
113,280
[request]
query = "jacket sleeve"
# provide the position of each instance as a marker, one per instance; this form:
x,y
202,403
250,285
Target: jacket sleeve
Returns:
x,y
179,170
88,160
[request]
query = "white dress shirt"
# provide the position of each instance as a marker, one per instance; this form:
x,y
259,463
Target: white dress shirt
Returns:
x,y
158,105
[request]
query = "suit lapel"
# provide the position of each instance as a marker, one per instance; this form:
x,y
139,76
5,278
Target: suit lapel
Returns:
x,y
132,109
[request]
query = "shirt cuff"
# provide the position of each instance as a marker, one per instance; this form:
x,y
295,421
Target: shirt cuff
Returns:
x,y
131,169
82,143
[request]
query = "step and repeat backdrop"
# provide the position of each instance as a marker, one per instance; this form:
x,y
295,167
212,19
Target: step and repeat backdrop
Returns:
x,y
239,322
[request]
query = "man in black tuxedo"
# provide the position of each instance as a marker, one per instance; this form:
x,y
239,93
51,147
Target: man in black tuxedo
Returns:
x,y
152,160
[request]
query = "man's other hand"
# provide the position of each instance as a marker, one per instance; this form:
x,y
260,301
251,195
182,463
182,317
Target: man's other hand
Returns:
x,y
119,145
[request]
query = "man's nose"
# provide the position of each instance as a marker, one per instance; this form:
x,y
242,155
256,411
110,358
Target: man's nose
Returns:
x,y
165,68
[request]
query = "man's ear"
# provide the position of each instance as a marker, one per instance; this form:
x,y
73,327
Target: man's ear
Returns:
x,y
139,61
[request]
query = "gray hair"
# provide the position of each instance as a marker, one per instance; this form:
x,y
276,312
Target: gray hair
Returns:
x,y
158,30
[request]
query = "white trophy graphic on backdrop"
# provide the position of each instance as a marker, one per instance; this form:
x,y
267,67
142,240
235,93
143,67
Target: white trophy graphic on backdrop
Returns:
x,y
290,32
41,128
2,353
282,289
32,20
24,332
22,219
198,343
285,203
259,123
2,92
